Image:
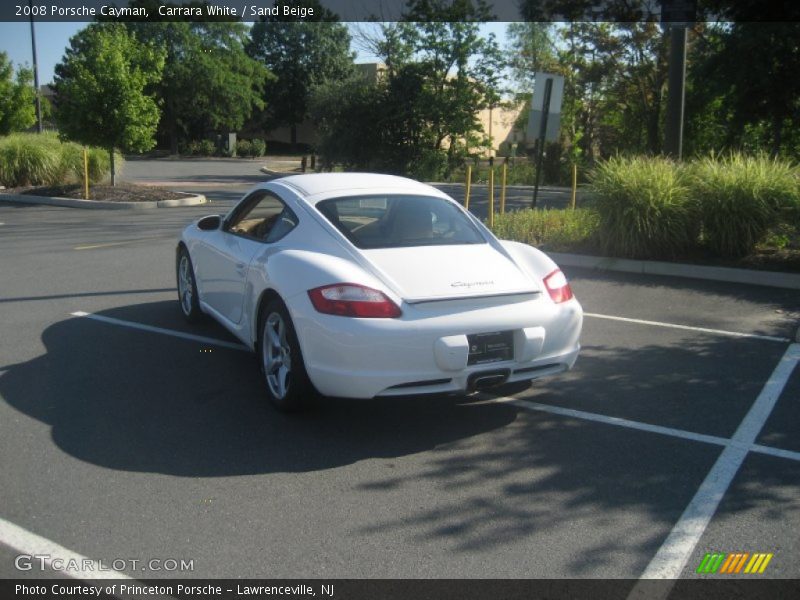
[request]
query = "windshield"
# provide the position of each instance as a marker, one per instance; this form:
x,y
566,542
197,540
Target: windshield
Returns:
x,y
397,221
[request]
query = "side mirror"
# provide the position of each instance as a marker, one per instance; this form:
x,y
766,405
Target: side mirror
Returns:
x,y
209,223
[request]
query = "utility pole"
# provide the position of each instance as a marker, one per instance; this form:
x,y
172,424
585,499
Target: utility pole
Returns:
x,y
676,15
548,90
35,74
676,82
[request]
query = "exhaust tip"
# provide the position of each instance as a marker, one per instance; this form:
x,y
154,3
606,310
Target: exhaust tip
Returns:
x,y
487,379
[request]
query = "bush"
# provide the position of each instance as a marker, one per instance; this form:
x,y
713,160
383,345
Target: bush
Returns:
x,y
557,229
644,207
258,148
27,159
206,148
199,148
243,148
99,163
740,198
42,159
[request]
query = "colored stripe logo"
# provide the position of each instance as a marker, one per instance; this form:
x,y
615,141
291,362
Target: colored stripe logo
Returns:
x,y
734,563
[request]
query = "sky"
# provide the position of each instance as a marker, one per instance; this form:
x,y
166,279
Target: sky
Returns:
x,y
53,38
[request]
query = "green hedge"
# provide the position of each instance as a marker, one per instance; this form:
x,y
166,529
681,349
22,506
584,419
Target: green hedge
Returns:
x,y
553,228
741,198
645,208
41,159
651,207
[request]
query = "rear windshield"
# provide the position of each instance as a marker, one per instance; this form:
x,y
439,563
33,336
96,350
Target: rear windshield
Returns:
x,y
396,221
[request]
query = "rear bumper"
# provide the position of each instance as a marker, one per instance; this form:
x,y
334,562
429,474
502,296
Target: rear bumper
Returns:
x,y
422,352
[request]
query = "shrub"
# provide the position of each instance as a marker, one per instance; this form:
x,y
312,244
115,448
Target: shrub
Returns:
x,y
740,198
26,159
42,159
200,148
243,148
258,148
644,208
206,148
558,229
99,163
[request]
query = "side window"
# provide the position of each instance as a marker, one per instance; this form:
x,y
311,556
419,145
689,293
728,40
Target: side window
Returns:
x,y
264,217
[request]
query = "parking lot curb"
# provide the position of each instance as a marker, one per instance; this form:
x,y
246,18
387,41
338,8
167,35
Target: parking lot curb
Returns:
x,y
189,200
725,274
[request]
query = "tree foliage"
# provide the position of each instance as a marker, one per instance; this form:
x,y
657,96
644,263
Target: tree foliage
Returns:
x,y
745,77
100,90
742,91
209,83
301,54
17,97
439,74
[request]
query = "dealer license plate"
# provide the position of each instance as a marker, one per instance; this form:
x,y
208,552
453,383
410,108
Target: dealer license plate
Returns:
x,y
491,347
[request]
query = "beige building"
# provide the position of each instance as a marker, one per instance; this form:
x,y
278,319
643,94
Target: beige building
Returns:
x,y
498,122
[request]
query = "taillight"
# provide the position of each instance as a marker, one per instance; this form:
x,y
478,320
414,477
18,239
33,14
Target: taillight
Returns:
x,y
353,300
558,286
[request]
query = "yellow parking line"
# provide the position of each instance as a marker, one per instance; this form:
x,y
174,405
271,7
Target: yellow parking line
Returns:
x,y
110,244
100,245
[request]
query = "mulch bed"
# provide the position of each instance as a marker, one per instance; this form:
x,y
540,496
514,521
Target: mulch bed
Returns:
x,y
122,192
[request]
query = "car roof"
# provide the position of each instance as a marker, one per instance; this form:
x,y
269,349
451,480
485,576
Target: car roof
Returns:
x,y
317,186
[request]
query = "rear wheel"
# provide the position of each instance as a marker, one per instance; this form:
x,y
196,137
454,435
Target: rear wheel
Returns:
x,y
187,287
288,386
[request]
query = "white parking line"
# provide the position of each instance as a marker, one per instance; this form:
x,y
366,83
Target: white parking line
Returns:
x,y
619,422
739,334
671,558
161,330
669,561
770,451
648,427
72,564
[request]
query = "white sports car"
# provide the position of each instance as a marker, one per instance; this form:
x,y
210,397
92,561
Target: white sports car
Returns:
x,y
361,285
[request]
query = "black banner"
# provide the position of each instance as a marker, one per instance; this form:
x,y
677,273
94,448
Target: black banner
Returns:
x,y
713,588
395,10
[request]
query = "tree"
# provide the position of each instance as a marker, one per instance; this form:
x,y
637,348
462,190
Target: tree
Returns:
x,y
750,80
209,83
422,112
302,54
531,49
17,97
100,90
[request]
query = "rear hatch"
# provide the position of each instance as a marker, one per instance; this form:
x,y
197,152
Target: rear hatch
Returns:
x,y
428,273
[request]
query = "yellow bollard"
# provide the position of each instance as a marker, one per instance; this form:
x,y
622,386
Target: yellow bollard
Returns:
x,y
503,190
491,197
574,185
469,185
85,174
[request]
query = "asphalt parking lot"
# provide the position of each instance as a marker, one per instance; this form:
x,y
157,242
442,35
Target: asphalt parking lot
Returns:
x,y
126,433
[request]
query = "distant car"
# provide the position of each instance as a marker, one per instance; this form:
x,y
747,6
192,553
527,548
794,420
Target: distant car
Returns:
x,y
362,285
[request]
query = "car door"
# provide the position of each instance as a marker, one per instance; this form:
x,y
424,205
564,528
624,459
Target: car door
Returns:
x,y
227,254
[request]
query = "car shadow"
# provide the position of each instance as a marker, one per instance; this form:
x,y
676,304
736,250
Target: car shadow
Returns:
x,y
489,474
134,400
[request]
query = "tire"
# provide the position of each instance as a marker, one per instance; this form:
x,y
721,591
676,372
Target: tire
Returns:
x,y
187,287
286,381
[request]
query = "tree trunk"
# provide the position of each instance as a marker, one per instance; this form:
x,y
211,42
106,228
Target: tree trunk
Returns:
x,y
113,167
172,125
653,120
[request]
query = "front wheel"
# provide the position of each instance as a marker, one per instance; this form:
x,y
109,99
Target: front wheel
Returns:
x,y
288,386
187,287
